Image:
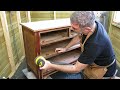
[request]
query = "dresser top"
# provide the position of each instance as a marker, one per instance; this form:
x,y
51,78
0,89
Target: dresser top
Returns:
x,y
47,24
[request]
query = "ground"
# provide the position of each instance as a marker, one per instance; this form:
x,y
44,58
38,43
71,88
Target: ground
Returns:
x,y
20,75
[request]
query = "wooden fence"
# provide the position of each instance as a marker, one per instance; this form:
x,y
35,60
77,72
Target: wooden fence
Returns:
x,y
11,41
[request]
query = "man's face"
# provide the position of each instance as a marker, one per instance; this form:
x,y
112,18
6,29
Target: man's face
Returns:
x,y
75,27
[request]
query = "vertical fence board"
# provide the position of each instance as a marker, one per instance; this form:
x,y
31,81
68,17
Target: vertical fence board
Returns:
x,y
7,39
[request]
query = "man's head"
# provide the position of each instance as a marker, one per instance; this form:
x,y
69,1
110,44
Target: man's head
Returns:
x,y
82,21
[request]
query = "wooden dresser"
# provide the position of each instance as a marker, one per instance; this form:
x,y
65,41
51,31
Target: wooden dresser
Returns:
x,y
42,38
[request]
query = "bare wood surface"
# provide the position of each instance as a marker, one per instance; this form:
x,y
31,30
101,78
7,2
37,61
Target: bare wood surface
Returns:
x,y
68,58
54,41
47,24
49,51
20,31
28,16
53,36
7,39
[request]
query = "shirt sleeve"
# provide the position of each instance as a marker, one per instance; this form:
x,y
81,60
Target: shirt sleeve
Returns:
x,y
91,51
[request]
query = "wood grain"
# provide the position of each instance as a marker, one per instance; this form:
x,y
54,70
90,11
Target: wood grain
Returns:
x,y
68,58
47,24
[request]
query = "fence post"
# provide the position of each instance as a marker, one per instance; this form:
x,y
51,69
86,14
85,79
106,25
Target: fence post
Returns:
x,y
7,39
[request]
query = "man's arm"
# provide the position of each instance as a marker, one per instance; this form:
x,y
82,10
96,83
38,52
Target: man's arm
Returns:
x,y
70,68
77,67
74,41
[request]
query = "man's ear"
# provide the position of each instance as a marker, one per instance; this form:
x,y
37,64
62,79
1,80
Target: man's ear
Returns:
x,y
88,28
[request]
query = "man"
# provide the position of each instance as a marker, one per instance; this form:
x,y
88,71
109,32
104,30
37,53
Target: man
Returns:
x,y
97,48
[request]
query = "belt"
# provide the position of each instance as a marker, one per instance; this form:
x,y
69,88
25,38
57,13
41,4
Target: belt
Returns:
x,y
112,77
106,65
110,63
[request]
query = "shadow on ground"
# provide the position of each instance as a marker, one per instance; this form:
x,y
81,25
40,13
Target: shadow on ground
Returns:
x,y
20,75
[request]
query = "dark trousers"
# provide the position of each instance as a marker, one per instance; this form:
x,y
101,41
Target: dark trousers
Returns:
x,y
62,75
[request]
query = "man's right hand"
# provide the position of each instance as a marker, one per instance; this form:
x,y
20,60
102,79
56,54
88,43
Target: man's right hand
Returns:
x,y
60,50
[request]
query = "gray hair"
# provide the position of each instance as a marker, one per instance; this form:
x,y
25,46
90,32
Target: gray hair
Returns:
x,y
83,18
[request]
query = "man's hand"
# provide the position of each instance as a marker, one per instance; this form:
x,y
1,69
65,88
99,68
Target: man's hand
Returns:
x,y
60,50
47,65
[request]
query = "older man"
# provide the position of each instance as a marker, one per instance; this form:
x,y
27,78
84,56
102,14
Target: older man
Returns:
x,y
95,44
